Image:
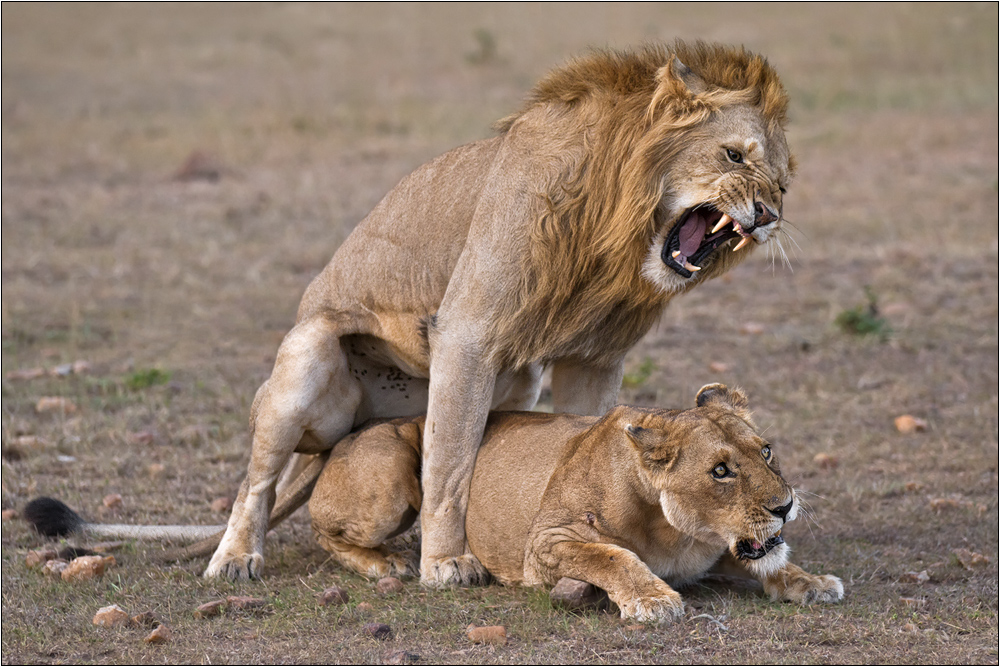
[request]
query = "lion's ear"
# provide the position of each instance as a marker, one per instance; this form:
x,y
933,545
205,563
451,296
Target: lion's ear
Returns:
x,y
732,399
682,78
653,444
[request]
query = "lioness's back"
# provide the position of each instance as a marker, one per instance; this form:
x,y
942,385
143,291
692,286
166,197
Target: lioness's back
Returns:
x,y
518,455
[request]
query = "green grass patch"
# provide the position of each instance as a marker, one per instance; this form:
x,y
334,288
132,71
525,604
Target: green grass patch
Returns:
x,y
146,378
864,320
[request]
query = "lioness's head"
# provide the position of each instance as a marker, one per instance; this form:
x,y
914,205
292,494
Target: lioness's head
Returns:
x,y
720,114
717,480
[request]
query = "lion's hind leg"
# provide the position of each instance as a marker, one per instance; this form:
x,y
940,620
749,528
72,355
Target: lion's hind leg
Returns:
x,y
368,493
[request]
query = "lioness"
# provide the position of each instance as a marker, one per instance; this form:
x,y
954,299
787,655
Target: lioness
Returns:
x,y
624,502
626,179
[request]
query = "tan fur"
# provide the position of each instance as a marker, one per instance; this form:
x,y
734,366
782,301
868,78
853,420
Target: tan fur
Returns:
x,y
538,247
626,502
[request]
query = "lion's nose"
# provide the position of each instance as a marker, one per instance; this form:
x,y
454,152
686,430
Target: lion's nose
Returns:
x,y
763,215
782,512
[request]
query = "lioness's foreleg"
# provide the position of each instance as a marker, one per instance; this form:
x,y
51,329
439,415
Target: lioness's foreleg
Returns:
x,y
629,582
790,583
308,403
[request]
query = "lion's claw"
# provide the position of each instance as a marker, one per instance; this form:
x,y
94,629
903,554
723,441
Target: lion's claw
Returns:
x,y
664,608
243,567
460,571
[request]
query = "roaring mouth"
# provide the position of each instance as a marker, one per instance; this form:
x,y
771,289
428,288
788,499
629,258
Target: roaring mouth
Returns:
x,y
699,233
752,549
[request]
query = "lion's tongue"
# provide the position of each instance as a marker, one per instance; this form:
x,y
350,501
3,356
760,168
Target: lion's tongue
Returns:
x,y
692,233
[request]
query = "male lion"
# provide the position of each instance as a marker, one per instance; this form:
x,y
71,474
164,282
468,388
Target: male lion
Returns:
x,y
624,502
625,180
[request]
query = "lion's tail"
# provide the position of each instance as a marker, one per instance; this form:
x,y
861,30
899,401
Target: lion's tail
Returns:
x,y
53,518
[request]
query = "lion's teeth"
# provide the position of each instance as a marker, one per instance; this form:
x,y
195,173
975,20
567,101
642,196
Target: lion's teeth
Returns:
x,y
743,241
691,267
676,254
723,221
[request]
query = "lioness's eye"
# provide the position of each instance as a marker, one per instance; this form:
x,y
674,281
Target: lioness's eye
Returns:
x,y
734,156
720,471
766,452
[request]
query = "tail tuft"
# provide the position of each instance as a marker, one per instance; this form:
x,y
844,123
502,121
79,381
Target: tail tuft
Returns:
x,y
51,517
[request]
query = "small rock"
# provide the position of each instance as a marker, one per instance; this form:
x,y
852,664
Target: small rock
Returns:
x,y
938,504
146,619
110,617
105,547
9,515
915,577
222,504
575,594
62,370
54,568
80,367
333,595
753,328
113,501
971,560
826,461
389,586
39,557
156,470
718,367
379,631
160,635
401,658
490,634
26,374
364,607
913,602
911,487
910,424
910,627
199,166
55,404
243,603
86,567
141,438
30,443
210,609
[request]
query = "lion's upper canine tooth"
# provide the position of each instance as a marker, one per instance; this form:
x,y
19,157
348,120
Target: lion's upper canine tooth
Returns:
x,y
743,241
723,221
691,267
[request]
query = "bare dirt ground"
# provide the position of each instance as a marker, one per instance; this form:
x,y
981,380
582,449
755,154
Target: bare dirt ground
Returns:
x,y
175,282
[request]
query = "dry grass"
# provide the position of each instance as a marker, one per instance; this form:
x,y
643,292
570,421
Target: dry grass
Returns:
x,y
310,114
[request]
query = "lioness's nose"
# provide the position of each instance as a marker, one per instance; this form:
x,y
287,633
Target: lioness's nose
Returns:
x,y
763,215
782,512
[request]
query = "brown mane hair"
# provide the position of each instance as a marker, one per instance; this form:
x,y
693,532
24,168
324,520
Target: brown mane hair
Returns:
x,y
588,246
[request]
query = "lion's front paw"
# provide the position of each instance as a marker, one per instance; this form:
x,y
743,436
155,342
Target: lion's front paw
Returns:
x,y
810,589
404,563
465,570
661,608
237,567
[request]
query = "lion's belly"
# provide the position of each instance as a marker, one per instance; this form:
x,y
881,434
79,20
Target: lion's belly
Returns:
x,y
519,453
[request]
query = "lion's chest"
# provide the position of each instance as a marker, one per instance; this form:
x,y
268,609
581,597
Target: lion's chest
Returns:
x,y
684,561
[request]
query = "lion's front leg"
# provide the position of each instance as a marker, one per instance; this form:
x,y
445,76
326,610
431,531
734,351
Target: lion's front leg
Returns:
x,y
460,394
639,594
789,583
584,389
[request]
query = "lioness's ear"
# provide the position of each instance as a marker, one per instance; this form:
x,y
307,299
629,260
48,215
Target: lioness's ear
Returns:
x,y
733,399
653,444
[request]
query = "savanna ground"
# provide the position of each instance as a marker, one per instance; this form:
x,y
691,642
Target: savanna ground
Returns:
x,y
177,283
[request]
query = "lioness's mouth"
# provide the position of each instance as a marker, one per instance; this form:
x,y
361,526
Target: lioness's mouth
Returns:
x,y
698,233
752,549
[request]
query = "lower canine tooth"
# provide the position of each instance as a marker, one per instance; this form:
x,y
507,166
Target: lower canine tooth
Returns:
x,y
691,267
743,241
723,221
676,254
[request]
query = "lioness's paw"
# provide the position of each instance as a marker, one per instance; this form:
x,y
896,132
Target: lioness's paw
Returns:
x,y
242,567
465,570
810,589
404,563
664,608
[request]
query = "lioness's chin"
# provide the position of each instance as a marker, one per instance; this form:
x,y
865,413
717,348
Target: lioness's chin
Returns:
x,y
764,566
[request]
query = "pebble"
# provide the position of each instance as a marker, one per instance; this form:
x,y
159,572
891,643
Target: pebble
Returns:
x,y
87,567
111,616
401,658
39,557
146,619
113,501
971,560
826,461
243,603
223,504
490,634
574,594
333,595
910,424
160,635
9,515
54,568
915,577
55,404
379,631
389,586
210,609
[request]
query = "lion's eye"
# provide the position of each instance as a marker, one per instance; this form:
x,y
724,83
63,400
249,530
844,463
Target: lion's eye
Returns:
x,y
720,471
734,156
766,452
